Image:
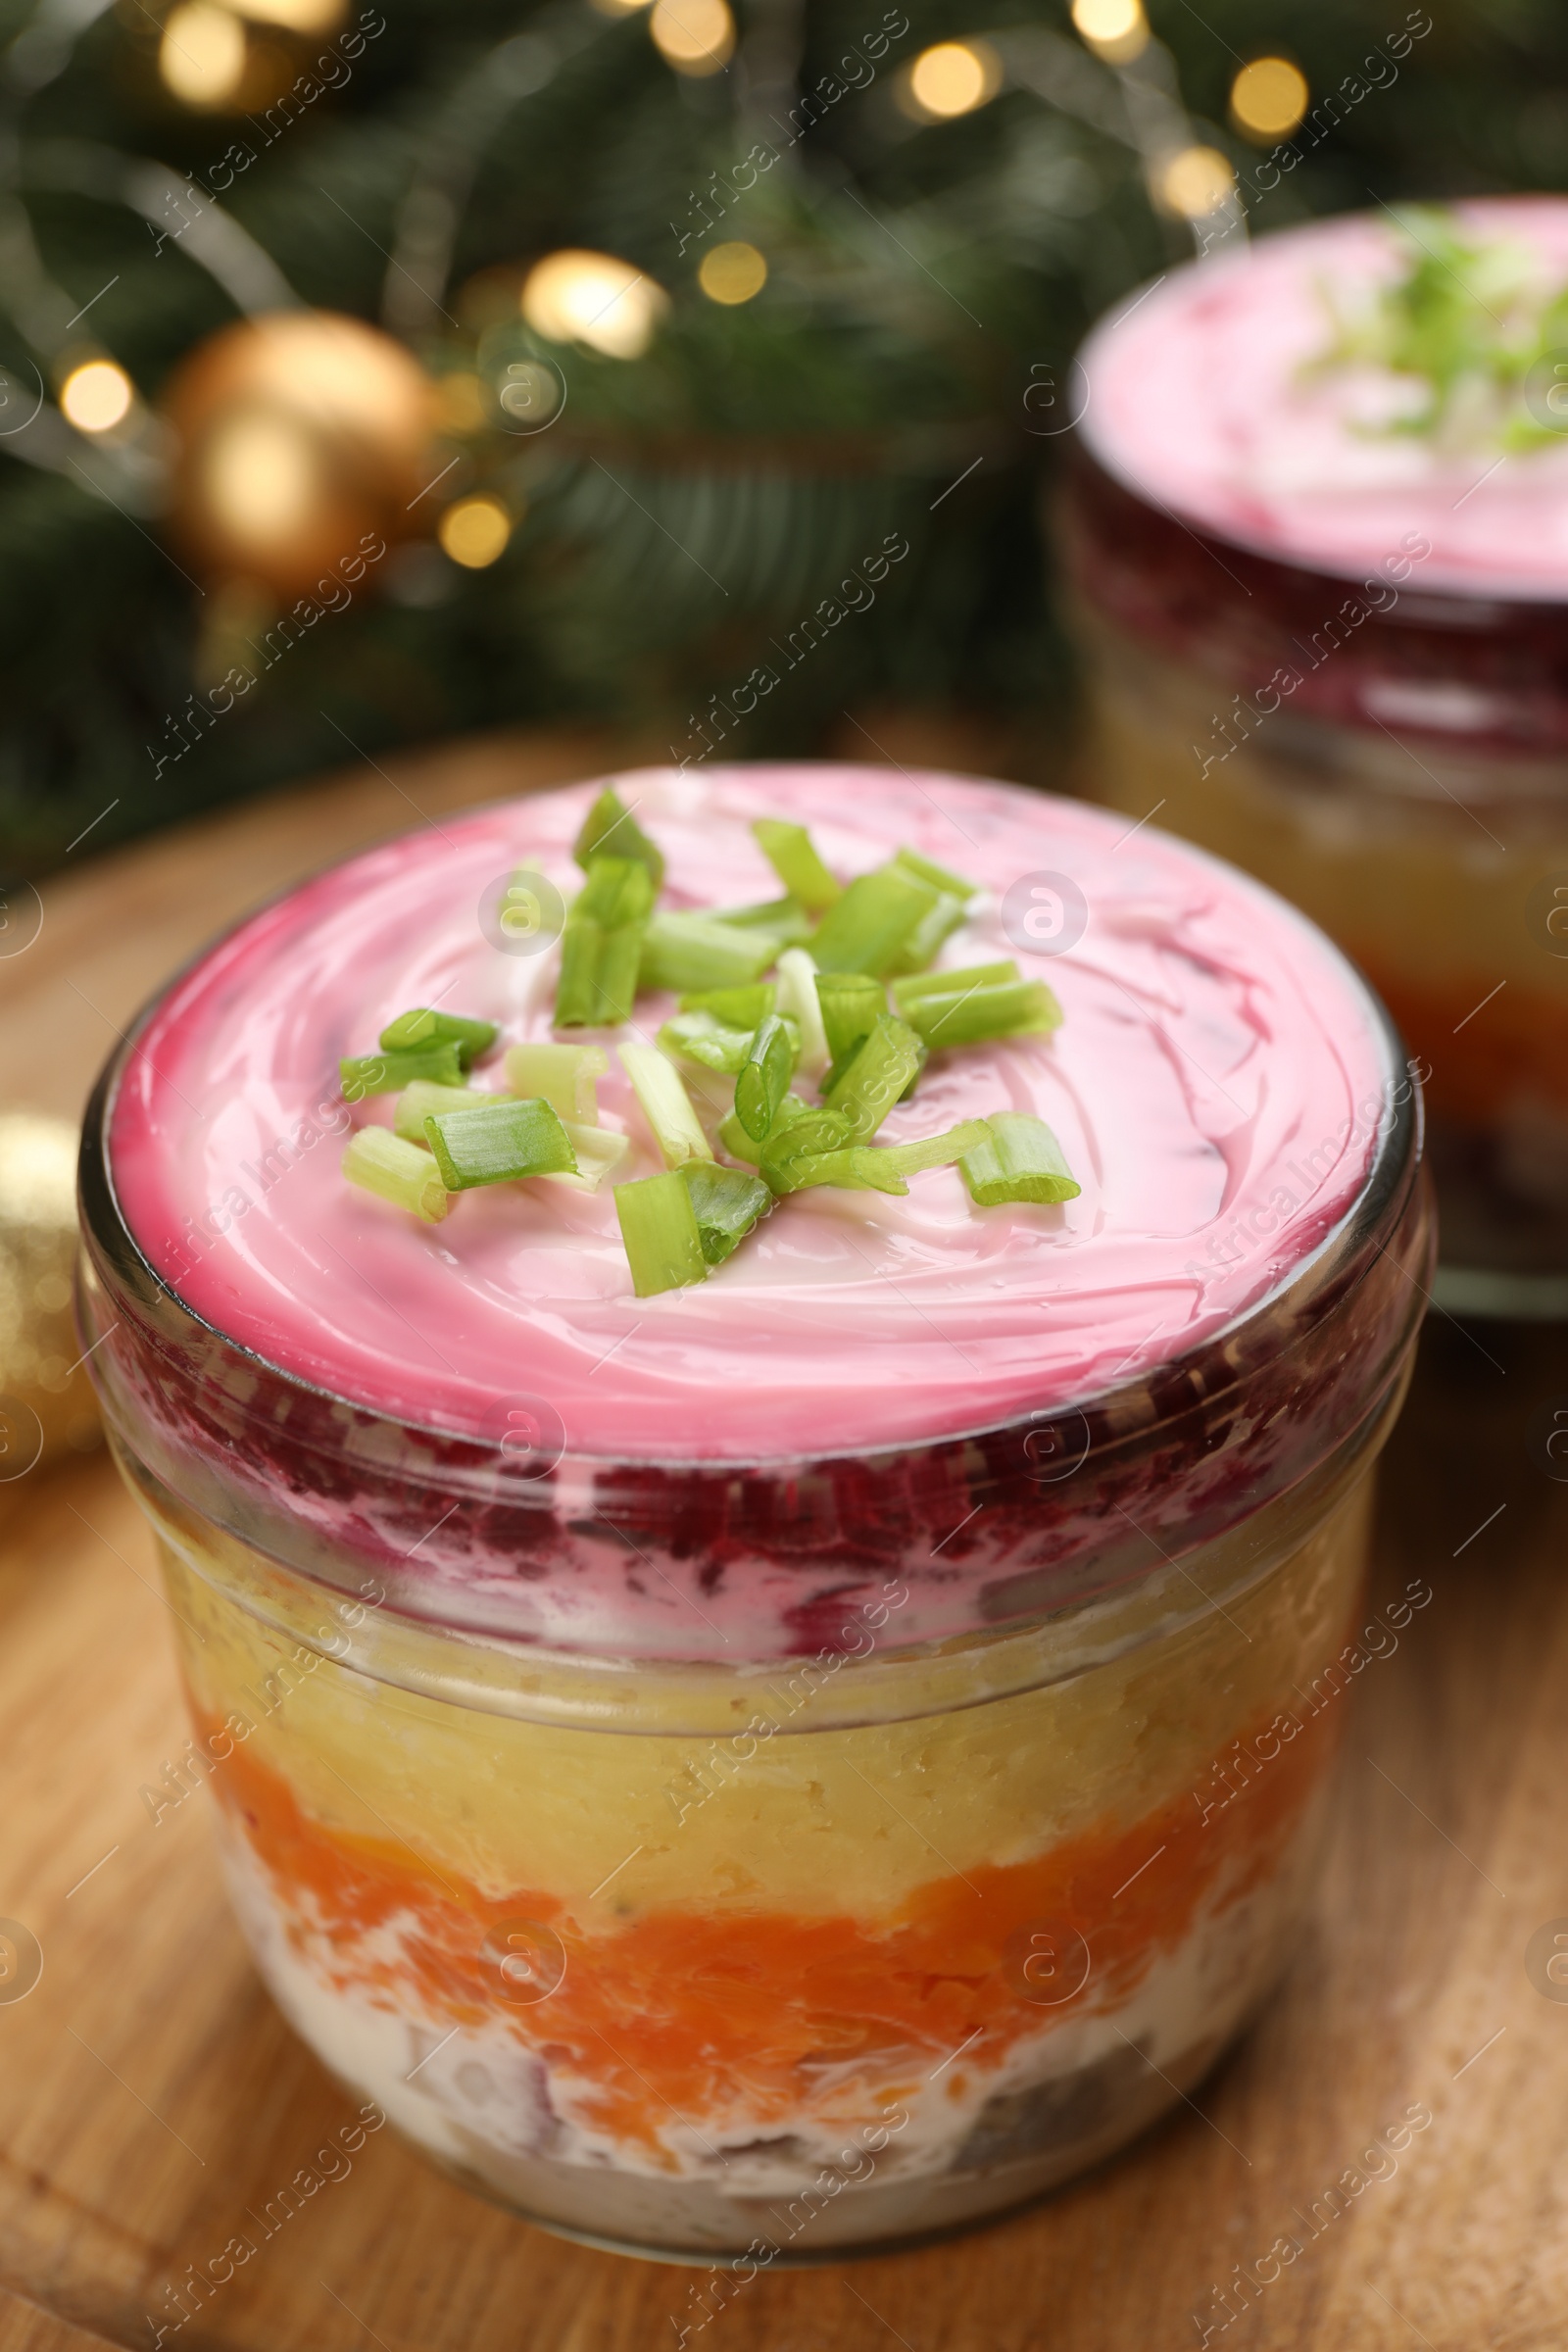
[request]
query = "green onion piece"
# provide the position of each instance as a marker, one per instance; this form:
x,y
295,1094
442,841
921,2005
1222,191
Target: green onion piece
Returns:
x,y
868,929
765,1076
1022,1160
914,985
737,1008
939,877
601,947
974,1017
798,1000
857,1168
663,1238
851,1003
567,1077
935,1151
365,1074
739,1145
796,1141
425,1027
929,933
687,952
867,1088
665,1105
704,1039
611,830
727,1204
499,1143
788,851
786,919
600,1152
422,1101
398,1172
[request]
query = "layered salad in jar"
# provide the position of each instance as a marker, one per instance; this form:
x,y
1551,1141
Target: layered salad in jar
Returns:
x,y
758,1390
1316,544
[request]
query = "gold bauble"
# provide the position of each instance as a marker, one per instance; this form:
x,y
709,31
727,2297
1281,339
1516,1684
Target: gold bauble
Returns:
x,y
46,1400
303,440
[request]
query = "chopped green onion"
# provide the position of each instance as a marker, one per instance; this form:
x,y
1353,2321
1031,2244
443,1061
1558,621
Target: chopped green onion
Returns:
x,y
498,1144
867,1088
567,1077
727,1204
739,1145
929,933
663,1238
868,929
600,1152
610,830
420,1101
425,1027
788,851
786,919
914,985
687,952
858,1168
1022,1160
795,1140
939,877
737,1008
935,1151
602,945
363,1074
398,1172
704,1039
976,1016
798,1000
765,1076
851,1003
665,1105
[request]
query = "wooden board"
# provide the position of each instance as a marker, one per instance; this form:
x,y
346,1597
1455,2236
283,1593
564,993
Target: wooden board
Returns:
x,y
150,2095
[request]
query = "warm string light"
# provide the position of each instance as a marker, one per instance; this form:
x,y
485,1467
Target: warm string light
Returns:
x,y
201,54
1269,98
474,531
1116,30
695,36
732,272
1196,182
950,79
580,297
96,396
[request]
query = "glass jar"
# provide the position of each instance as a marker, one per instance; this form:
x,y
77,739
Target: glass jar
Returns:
x,y
747,1962
1343,664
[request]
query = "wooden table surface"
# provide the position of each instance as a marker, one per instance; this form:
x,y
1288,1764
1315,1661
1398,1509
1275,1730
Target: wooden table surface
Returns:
x,y
149,2092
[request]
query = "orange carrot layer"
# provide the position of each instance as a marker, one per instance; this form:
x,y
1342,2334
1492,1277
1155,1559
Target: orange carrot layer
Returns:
x,y
693,2011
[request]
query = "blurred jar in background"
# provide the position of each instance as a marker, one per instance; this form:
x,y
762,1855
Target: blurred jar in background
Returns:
x,y
1315,541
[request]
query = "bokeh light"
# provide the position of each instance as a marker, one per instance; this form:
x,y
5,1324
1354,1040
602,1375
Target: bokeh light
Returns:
x,y
201,54
1269,98
580,297
952,79
1197,183
732,272
695,36
293,16
475,531
1117,29
96,396
260,479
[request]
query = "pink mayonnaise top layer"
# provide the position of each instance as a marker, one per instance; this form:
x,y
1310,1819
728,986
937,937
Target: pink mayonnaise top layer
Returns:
x,y
1200,398
1217,1085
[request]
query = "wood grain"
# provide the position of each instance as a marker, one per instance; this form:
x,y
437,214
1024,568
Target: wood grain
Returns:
x,y
150,2095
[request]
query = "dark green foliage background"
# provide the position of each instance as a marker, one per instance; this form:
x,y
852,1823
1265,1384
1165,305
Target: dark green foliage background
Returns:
x,y
1031,221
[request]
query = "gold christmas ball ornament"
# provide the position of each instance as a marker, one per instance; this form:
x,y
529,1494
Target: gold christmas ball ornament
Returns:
x,y
303,437
46,1400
